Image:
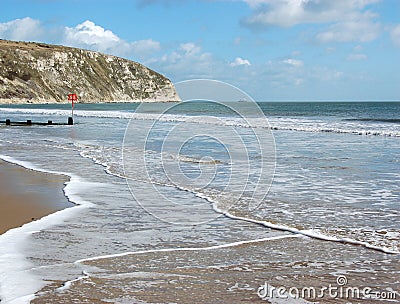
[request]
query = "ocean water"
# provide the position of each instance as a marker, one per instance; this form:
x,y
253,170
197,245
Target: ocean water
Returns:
x,y
202,196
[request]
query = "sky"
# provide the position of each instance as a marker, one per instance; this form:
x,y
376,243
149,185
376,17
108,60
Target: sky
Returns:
x,y
274,50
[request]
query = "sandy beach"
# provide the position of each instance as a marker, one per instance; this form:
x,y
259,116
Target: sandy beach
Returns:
x,y
27,195
331,217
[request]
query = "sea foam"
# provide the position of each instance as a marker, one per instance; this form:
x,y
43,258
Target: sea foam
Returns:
x,y
276,123
17,283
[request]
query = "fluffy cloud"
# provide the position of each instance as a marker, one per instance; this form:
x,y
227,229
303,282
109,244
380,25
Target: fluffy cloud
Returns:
x,y
240,61
283,13
280,78
86,35
26,29
91,36
395,35
349,19
90,33
286,13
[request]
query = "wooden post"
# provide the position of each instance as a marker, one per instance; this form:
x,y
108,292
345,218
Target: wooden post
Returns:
x,y
8,122
70,121
49,122
29,122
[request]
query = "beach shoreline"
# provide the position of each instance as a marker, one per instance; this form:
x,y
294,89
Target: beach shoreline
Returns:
x,y
109,248
28,195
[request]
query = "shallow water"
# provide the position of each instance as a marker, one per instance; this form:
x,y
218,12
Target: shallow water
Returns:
x,y
328,182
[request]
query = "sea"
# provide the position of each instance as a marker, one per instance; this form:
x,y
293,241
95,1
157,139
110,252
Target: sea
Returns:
x,y
209,202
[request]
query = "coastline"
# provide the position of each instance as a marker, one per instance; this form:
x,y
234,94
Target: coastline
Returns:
x,y
27,195
118,252
45,102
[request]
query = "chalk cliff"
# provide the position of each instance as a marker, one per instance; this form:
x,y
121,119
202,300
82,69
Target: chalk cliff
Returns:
x,y
43,73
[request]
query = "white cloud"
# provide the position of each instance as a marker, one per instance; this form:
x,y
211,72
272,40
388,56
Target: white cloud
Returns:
x,y
283,13
92,36
349,19
294,62
355,57
395,35
239,61
26,29
86,35
287,13
347,31
145,46
185,62
190,48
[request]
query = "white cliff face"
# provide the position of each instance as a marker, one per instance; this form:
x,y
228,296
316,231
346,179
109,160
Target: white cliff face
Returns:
x,y
37,73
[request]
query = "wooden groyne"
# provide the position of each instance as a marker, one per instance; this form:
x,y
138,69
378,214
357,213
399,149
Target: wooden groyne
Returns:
x,y
29,122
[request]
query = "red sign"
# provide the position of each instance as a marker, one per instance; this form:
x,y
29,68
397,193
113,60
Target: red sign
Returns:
x,y
72,98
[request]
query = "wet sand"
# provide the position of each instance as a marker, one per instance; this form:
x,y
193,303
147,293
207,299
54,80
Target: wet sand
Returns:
x,y
27,195
231,275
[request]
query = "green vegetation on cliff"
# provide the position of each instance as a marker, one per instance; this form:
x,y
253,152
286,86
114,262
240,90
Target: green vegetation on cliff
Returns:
x,y
42,73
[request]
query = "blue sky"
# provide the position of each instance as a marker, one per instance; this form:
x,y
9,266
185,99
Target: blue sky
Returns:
x,y
307,50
